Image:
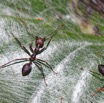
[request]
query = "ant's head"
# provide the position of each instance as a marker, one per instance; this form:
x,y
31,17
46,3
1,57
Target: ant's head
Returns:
x,y
40,42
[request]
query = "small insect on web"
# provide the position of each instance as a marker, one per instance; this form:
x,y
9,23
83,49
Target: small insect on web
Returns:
x,y
39,48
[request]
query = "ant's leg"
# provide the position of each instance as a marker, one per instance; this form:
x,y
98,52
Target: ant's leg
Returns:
x,y
61,98
30,46
98,90
47,64
54,32
15,61
41,70
21,45
92,72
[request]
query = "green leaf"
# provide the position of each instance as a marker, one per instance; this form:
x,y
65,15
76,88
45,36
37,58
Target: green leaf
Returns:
x,y
69,51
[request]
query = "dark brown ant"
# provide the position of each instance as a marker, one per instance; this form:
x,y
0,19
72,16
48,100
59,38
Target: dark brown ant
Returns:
x,y
39,48
101,71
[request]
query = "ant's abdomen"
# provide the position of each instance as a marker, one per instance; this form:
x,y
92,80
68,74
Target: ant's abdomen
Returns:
x,y
101,69
26,69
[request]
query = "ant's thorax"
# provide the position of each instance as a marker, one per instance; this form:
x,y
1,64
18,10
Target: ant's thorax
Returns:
x,y
36,50
33,57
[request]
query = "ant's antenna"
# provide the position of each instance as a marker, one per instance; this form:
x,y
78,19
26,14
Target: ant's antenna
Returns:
x,y
54,32
27,29
47,37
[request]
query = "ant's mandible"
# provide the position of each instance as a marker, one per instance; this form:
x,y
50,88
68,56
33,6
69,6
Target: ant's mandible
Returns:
x,y
39,48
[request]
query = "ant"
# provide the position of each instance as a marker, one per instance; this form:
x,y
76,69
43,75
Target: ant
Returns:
x,y
101,71
39,48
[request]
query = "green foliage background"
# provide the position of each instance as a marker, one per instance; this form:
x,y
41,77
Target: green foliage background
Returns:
x,y
69,51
